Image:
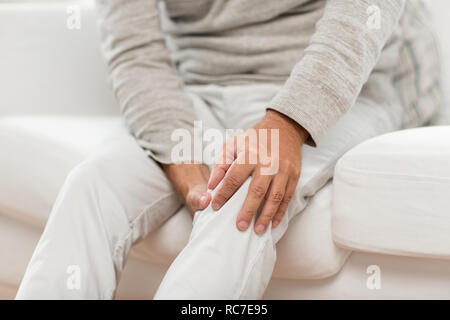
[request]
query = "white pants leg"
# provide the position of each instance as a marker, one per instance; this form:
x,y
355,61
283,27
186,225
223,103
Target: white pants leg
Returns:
x,y
118,196
106,204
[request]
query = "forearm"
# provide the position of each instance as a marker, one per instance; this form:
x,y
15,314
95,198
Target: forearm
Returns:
x,y
341,55
145,83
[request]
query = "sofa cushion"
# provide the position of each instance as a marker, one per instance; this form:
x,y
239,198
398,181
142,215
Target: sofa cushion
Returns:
x,y
40,151
392,194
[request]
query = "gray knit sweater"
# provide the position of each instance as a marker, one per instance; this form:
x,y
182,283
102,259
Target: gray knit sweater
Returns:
x,y
323,52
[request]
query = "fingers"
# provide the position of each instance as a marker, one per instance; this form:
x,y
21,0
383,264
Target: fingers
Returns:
x,y
273,200
222,164
257,189
290,189
234,178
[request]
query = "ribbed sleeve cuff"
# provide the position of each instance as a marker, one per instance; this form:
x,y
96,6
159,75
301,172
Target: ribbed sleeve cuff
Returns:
x,y
309,102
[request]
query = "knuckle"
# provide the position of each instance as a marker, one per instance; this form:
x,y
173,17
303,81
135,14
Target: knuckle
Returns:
x,y
258,191
247,215
281,210
290,167
220,198
277,196
231,183
264,219
270,160
287,167
295,169
280,214
284,163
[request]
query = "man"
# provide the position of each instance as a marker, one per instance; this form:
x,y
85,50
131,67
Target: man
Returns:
x,y
321,76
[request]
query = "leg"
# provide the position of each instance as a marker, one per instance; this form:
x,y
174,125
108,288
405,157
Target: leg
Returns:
x,y
220,262
106,204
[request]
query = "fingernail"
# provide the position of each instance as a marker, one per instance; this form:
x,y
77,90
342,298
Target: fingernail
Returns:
x,y
243,225
260,228
203,201
215,206
275,223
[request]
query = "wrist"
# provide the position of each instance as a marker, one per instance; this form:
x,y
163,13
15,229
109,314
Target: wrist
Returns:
x,y
186,176
289,123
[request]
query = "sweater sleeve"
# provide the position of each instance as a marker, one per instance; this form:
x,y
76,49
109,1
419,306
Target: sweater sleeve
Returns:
x,y
343,51
145,83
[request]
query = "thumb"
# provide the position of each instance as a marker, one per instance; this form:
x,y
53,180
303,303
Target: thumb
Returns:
x,y
198,198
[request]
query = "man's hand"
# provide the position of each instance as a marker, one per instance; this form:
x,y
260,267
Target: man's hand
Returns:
x,y
190,180
277,188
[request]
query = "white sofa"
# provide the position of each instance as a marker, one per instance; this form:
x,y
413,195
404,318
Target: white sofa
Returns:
x,y
56,109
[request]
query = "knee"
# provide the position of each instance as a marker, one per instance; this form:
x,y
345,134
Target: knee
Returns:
x,y
86,192
221,224
87,202
85,178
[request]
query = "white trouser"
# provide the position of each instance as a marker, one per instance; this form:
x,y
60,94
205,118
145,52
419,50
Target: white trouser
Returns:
x,y
118,196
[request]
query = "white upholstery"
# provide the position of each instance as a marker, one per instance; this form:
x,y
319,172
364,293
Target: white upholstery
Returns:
x,y
59,74
401,277
48,68
392,194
